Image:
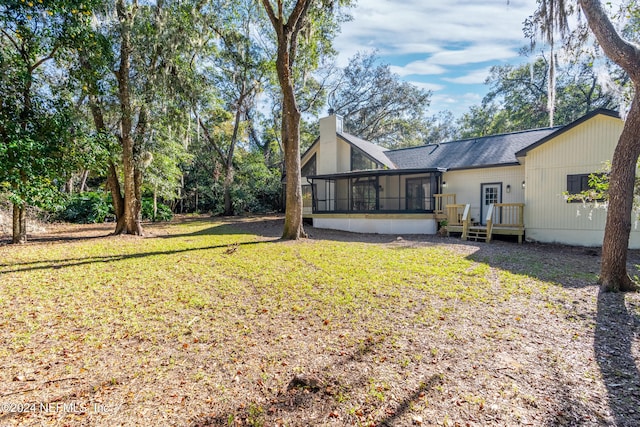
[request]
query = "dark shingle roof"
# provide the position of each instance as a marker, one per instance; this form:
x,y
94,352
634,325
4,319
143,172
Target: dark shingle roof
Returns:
x,y
374,151
485,151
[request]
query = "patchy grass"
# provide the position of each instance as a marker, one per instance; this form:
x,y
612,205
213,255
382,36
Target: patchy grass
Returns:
x,y
208,322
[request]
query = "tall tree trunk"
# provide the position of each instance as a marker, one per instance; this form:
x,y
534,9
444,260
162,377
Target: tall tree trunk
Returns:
x,y
83,181
131,206
68,186
293,228
287,33
137,204
290,135
229,169
113,184
613,271
19,224
130,222
155,202
228,183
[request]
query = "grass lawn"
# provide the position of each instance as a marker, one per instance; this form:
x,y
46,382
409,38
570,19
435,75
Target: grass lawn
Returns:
x,y
207,323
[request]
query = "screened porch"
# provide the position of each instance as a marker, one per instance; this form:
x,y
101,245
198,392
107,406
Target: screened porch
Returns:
x,y
380,191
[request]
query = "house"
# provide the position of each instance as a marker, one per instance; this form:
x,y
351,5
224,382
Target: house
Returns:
x,y
501,184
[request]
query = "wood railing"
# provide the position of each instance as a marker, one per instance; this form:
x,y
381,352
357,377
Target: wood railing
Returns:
x,y
508,215
489,220
441,202
458,218
505,218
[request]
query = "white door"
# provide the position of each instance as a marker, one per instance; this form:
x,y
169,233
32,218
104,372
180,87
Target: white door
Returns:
x,y
491,194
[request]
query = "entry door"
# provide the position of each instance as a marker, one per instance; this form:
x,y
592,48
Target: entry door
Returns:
x,y
491,194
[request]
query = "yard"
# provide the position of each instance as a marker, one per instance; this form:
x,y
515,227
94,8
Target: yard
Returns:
x,y
209,322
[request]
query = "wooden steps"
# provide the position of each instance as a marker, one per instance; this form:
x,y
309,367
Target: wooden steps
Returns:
x,y
501,218
477,233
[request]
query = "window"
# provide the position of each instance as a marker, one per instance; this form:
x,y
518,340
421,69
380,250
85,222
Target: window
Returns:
x,y
360,161
364,194
577,183
491,195
418,194
309,168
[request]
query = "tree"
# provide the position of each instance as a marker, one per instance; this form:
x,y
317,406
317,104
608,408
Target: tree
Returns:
x,y
131,83
441,127
485,119
553,16
377,106
239,68
518,97
36,132
288,31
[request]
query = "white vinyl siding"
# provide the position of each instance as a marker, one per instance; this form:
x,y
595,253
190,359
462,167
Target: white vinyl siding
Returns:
x,y
581,150
465,184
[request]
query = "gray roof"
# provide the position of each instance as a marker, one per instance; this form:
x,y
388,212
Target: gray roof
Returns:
x,y
376,152
480,152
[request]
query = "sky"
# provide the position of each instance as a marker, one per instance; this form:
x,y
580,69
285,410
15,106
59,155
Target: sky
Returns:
x,y
446,47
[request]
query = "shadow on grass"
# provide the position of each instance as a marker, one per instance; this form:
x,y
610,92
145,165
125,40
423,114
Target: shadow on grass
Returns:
x,y
296,397
225,228
617,319
74,262
59,236
616,329
321,403
412,399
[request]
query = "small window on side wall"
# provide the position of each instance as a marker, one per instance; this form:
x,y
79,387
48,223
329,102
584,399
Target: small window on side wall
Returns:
x,y
577,185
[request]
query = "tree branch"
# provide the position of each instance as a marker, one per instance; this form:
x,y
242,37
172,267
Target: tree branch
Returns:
x,y
615,47
211,141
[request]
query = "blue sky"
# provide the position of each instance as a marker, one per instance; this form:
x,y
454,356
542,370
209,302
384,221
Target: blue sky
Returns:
x,y
443,46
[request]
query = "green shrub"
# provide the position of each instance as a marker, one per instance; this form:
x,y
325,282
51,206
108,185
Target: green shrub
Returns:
x,y
87,208
164,212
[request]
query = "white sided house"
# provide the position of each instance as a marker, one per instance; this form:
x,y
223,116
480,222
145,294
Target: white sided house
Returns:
x,y
502,184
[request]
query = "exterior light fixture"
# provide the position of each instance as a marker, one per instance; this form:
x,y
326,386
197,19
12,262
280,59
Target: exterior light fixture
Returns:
x,y
523,185
444,184
508,188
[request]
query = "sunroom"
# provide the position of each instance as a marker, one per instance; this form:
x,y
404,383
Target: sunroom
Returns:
x,y
368,201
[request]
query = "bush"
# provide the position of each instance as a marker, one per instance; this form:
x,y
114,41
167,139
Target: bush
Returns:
x,y
87,208
164,212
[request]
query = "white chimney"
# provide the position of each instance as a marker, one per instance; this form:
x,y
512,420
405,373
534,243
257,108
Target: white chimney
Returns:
x,y
327,160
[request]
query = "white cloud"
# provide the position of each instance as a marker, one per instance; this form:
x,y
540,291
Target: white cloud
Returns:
x,y
434,87
472,78
418,67
473,54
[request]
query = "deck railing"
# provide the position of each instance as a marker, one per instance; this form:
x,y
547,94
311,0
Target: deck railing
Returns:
x,y
458,219
489,220
505,218
508,215
441,202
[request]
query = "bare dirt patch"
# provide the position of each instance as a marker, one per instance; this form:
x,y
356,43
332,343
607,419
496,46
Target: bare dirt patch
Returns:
x,y
539,346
